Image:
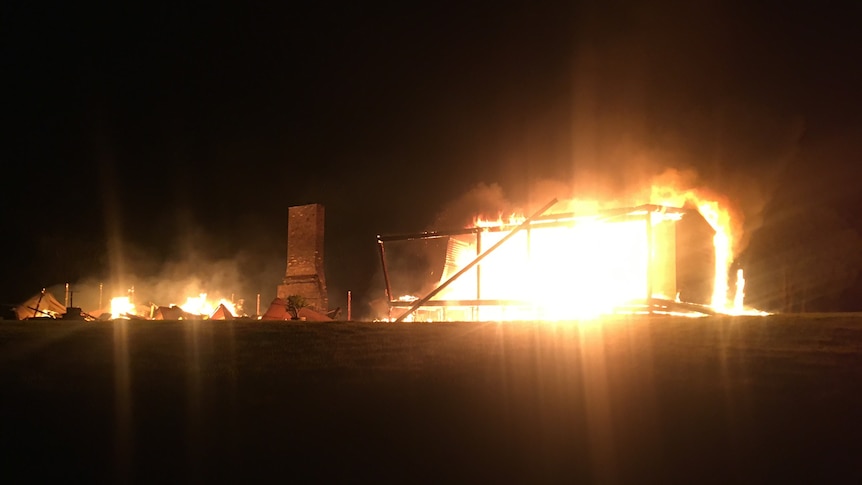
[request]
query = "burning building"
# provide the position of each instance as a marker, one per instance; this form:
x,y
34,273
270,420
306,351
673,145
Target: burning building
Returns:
x,y
646,259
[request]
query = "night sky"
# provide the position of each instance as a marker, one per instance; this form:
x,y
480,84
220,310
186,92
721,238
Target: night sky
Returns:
x,y
169,140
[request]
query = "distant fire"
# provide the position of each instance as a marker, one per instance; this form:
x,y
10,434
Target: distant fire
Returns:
x,y
198,306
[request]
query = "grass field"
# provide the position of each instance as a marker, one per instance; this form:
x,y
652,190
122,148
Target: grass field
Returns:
x,y
773,399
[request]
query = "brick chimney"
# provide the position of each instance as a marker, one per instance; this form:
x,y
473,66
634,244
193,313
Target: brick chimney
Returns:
x,y
305,275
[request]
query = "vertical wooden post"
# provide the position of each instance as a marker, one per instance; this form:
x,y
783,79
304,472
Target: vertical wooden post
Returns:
x,y
478,275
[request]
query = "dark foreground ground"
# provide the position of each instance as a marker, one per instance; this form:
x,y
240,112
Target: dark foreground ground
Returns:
x,y
634,400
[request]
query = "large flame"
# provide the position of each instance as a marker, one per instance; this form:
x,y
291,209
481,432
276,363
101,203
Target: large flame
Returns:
x,y
121,307
588,267
576,270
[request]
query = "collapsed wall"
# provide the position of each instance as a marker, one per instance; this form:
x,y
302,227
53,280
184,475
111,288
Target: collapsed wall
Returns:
x,y
694,253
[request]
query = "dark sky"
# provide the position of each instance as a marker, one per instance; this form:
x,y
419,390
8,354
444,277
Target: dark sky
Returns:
x,y
170,139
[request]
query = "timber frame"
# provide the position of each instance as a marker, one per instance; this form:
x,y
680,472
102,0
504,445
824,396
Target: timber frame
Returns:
x,y
648,304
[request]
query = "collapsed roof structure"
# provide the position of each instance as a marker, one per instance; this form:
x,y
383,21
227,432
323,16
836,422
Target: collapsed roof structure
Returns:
x,y
41,305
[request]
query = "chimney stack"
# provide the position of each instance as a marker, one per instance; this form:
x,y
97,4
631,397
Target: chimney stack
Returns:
x,y
305,275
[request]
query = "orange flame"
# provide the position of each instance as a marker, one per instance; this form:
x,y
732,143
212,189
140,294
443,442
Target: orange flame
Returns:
x,y
719,218
199,305
739,297
589,267
121,307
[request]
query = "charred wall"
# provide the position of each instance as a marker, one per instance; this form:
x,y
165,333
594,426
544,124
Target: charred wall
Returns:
x,y
695,258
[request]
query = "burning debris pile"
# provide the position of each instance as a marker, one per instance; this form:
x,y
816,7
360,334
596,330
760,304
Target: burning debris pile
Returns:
x,y
301,296
45,305
673,255
195,308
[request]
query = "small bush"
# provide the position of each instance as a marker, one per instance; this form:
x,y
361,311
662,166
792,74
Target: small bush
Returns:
x,y
294,304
